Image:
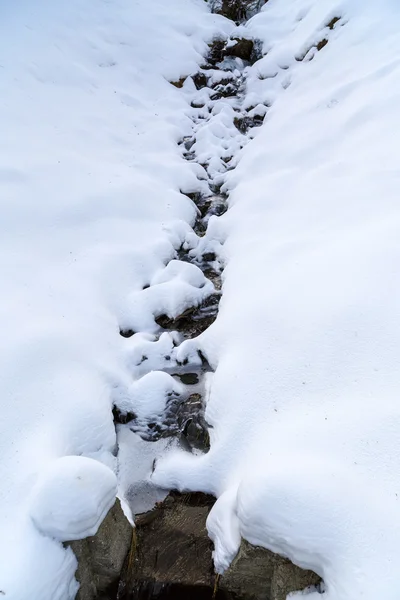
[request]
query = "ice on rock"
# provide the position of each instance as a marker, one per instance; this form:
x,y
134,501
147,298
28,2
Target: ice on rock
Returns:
x,y
72,498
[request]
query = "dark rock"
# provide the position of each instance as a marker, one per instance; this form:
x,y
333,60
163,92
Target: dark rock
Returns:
x,y
241,49
126,333
244,123
209,256
199,80
237,10
189,378
216,53
188,143
224,91
173,549
121,417
195,434
257,573
178,323
102,556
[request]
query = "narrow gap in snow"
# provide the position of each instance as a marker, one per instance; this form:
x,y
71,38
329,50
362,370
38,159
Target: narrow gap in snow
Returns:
x,y
170,359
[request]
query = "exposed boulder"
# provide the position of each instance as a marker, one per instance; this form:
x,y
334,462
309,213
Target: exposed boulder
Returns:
x,y
237,10
258,574
173,549
240,47
101,557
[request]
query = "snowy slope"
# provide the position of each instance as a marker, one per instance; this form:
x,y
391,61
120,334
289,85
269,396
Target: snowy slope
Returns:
x,y
304,402
90,180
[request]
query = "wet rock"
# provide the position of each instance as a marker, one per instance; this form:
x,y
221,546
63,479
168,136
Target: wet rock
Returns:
x,y
193,405
209,256
173,549
195,434
102,556
216,53
177,323
244,123
189,378
224,91
237,10
241,48
122,418
126,333
199,80
333,22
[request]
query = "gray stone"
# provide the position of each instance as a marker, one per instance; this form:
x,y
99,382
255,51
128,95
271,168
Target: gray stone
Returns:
x,y
258,574
237,10
173,547
101,557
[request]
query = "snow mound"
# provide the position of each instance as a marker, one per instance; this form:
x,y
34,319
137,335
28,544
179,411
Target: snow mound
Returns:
x,y
72,498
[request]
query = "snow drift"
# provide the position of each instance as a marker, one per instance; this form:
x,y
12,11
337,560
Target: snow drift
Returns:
x,y
303,405
90,179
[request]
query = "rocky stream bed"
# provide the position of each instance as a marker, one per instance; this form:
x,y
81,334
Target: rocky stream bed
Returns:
x,y
168,554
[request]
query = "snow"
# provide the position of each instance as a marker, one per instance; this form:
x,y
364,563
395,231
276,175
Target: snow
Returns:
x,y
72,498
91,211
304,400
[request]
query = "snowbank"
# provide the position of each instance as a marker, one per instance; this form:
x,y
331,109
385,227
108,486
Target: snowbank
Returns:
x,y
303,405
72,497
90,180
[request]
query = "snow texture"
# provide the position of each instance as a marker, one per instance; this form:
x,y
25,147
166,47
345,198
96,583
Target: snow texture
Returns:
x,y
303,403
91,212
304,408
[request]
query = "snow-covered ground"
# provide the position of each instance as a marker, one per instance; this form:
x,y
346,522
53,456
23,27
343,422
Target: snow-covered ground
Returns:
x,y
303,403
90,180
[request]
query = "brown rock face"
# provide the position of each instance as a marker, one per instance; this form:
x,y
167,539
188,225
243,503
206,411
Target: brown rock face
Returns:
x,y
241,48
101,557
237,10
174,556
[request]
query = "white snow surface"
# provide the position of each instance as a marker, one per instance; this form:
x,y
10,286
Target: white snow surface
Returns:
x,y
91,212
304,402
72,497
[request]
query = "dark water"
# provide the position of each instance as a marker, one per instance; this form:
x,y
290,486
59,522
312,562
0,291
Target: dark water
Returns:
x,y
169,591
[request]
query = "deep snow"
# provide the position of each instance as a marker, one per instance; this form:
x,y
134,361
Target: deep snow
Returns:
x,y
303,402
90,177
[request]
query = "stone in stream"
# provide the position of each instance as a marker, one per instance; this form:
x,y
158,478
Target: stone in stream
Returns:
x,y
126,333
199,80
188,378
122,418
